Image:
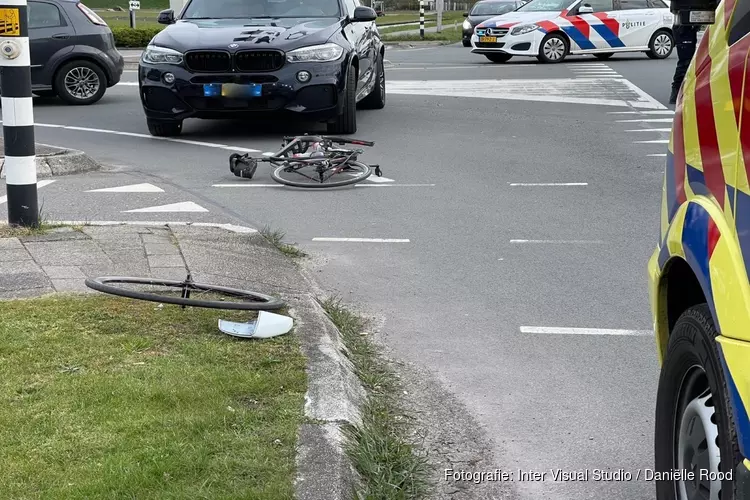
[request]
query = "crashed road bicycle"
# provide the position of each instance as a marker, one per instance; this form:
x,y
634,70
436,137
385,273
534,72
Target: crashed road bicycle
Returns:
x,y
310,162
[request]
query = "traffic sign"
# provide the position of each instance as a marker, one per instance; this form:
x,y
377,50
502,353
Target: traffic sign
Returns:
x,y
135,5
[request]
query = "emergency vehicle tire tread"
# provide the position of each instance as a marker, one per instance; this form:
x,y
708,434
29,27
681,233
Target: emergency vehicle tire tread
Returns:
x,y
651,53
498,58
604,56
566,48
692,344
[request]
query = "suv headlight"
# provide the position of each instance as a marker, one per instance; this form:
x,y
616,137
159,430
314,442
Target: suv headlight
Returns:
x,y
467,25
317,53
161,55
522,30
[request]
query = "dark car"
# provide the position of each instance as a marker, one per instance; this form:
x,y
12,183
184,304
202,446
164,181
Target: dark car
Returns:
x,y
72,50
307,59
484,10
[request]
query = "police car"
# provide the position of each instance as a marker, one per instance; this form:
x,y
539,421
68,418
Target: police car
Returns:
x,y
552,29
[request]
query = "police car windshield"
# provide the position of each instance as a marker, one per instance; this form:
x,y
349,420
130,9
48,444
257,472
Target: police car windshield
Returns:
x,y
492,8
545,6
253,9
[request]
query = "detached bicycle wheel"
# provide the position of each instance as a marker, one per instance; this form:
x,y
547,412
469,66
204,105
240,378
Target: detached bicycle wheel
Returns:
x,y
184,293
308,176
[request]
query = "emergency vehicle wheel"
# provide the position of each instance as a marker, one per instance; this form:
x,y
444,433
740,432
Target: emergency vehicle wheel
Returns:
x,y
661,45
554,48
694,427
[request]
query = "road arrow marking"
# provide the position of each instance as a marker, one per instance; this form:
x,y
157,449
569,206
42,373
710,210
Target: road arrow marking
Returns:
x,y
185,206
133,188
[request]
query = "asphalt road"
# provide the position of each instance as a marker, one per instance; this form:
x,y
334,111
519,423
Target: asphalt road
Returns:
x,y
483,267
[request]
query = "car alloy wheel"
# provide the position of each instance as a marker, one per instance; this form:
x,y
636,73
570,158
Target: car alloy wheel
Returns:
x,y
662,44
554,49
82,82
697,440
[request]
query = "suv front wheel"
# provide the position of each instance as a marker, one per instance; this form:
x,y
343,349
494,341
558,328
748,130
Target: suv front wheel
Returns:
x,y
346,122
164,128
80,83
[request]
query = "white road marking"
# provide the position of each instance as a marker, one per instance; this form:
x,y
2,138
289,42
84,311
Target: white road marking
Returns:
x,y
646,120
548,183
185,206
660,155
39,185
146,136
229,227
659,141
596,91
473,66
650,130
281,186
133,188
577,242
582,331
657,112
363,240
127,84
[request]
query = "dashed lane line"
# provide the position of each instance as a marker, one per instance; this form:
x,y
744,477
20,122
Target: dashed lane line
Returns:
x,y
650,130
363,240
582,331
533,184
658,141
563,242
647,120
655,112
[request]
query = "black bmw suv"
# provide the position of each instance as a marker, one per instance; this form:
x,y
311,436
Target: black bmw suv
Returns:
x,y
311,59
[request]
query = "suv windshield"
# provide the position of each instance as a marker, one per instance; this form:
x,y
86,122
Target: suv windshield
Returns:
x,y
545,6
248,9
492,8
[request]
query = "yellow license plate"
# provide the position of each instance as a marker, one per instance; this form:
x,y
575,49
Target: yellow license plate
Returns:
x,y
488,39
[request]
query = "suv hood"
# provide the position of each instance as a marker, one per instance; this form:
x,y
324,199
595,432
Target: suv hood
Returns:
x,y
284,34
519,18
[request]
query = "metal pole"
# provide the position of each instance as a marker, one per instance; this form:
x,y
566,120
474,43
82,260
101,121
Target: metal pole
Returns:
x,y
132,18
18,114
439,16
421,19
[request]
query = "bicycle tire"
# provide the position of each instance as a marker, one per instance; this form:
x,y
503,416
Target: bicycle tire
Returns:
x,y
261,302
347,180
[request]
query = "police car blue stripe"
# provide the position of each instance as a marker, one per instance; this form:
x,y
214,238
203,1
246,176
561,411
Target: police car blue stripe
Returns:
x,y
576,35
609,37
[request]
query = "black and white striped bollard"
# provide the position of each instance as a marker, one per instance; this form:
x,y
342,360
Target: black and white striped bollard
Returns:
x,y
18,114
421,19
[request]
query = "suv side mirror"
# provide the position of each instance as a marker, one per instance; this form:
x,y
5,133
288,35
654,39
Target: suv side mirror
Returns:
x,y
466,14
585,9
364,15
166,17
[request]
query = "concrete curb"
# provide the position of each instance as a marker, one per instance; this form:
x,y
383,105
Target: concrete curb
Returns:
x,y
66,162
333,400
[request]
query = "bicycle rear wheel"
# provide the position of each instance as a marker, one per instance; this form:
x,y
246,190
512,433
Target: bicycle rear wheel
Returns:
x,y
184,293
306,176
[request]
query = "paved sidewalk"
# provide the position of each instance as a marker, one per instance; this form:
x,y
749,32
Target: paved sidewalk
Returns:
x,y
61,260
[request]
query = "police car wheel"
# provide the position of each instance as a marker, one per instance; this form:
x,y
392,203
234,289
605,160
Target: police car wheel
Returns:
x,y
553,49
694,428
498,58
661,45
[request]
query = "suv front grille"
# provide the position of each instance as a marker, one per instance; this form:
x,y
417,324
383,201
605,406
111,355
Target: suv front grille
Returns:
x,y
208,61
258,60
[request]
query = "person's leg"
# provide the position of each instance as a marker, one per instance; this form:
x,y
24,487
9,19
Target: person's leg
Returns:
x,y
685,39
